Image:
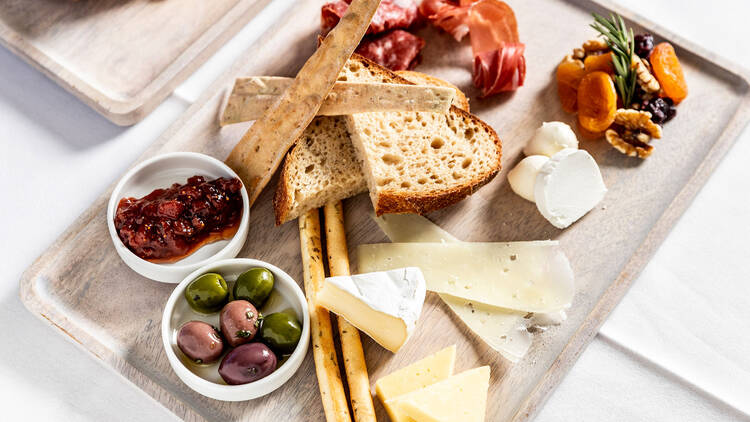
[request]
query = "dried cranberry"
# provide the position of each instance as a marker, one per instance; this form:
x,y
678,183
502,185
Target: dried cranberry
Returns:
x,y
662,109
644,43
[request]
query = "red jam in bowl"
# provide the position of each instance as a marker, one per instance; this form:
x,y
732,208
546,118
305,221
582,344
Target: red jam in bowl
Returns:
x,y
169,224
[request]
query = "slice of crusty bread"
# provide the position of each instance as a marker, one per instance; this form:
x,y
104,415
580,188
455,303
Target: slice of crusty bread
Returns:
x,y
420,78
322,167
417,162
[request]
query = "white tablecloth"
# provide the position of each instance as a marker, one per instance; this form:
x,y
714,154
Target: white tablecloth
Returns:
x,y
677,348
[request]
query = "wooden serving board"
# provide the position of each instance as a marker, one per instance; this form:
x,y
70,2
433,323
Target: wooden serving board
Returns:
x,y
121,57
82,288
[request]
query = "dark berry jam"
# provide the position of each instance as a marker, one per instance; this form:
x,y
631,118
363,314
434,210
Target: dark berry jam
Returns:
x,y
169,224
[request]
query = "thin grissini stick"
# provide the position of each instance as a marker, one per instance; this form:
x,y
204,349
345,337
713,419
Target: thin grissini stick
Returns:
x,y
251,97
260,151
351,345
324,352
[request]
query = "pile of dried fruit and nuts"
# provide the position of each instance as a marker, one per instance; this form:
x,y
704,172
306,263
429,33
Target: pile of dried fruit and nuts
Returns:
x,y
622,87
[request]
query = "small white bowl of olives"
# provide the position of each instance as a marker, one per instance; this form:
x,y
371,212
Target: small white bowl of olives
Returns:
x,y
236,329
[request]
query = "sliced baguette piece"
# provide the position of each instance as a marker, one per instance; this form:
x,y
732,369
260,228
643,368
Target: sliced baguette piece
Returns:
x,y
322,167
417,162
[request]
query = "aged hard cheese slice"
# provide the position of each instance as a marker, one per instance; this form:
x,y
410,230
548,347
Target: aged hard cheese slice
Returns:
x,y
436,367
504,330
523,276
462,397
385,305
252,96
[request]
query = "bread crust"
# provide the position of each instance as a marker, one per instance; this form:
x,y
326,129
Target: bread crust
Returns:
x,y
282,199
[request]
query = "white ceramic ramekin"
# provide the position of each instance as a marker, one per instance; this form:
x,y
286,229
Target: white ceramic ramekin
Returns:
x,y
205,379
161,172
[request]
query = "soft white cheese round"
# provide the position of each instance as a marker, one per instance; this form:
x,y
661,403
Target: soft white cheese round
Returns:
x,y
550,138
523,176
568,186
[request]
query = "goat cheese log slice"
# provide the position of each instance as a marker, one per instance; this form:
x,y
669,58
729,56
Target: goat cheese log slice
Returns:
x,y
568,186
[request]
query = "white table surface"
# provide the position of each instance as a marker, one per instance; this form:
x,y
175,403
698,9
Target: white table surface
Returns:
x,y
677,348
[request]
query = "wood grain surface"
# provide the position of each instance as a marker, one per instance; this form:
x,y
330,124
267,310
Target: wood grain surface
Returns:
x,y
82,288
121,57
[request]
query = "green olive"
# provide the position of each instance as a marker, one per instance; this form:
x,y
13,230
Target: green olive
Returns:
x,y
207,293
254,286
281,331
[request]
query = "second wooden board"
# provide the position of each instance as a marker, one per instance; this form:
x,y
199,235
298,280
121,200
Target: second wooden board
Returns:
x,y
122,58
82,287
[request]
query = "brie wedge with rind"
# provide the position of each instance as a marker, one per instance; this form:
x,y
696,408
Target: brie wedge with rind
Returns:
x,y
385,305
462,397
568,186
523,276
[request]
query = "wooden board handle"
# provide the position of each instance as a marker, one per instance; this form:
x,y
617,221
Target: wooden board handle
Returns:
x,y
351,345
324,352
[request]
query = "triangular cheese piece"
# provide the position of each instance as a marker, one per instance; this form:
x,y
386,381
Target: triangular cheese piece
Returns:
x,y
431,369
385,305
462,397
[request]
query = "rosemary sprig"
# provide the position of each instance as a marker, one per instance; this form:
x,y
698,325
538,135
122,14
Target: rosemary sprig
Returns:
x,y
620,39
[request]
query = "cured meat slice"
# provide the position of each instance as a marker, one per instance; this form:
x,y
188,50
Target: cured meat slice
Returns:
x,y
450,16
499,63
390,15
396,50
500,70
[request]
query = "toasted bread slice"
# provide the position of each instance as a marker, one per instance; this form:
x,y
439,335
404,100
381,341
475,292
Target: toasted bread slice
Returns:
x,y
322,167
420,78
418,162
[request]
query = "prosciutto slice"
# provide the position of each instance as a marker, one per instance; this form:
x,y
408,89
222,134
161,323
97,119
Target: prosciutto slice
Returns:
x,y
499,62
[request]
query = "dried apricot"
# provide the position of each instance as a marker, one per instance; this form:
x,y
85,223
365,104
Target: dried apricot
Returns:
x,y
599,62
587,134
668,72
597,101
569,74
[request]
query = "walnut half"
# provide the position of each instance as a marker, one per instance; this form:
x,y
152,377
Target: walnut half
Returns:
x,y
632,131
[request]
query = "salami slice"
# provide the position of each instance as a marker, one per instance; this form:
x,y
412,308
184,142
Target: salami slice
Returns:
x,y
396,50
390,15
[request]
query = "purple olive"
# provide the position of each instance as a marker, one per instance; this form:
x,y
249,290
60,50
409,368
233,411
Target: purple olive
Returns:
x,y
239,322
200,341
247,363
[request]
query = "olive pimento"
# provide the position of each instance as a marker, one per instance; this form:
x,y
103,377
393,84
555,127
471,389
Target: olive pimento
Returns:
x,y
169,224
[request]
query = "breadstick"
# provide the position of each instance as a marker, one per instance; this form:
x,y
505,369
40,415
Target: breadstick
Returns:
x,y
351,345
324,352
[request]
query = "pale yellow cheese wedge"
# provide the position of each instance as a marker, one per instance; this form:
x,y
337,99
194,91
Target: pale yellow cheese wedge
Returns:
x,y
462,397
427,371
